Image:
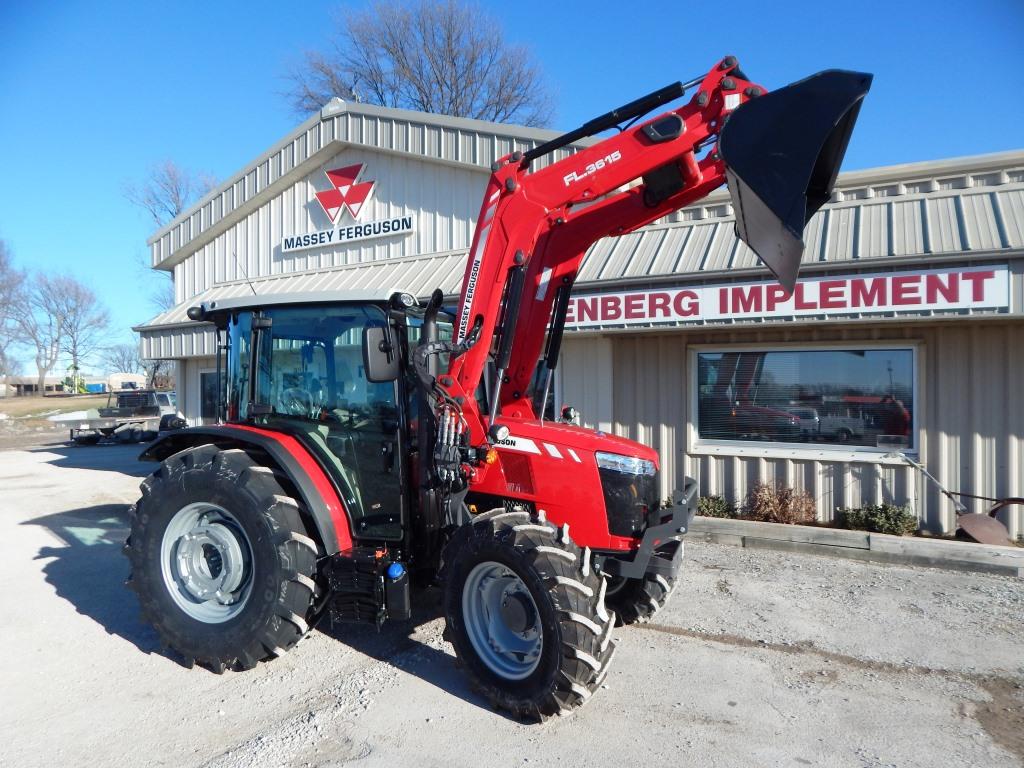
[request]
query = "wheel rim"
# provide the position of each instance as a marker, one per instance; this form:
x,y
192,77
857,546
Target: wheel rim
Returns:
x,y
502,621
206,560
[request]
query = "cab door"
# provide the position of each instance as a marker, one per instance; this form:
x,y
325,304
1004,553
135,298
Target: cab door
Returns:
x,y
311,382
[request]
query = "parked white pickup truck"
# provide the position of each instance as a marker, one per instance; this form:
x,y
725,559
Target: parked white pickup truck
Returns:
x,y
840,429
130,416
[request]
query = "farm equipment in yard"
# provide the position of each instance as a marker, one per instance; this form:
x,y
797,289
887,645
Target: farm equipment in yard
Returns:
x,y
130,416
369,443
982,528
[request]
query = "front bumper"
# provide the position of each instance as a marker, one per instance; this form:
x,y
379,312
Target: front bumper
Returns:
x,y
661,545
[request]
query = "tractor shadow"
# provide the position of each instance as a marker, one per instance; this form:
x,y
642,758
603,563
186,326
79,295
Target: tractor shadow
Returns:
x,y
88,570
107,457
394,644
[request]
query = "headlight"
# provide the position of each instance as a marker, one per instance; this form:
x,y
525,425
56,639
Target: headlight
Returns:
x,y
628,464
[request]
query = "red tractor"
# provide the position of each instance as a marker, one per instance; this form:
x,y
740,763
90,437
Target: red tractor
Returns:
x,y
369,443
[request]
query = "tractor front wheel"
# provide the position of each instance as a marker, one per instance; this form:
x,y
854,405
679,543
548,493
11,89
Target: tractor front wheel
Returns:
x,y
526,614
222,562
637,600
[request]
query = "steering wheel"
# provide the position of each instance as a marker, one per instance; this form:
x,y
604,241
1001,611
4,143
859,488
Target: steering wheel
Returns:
x,y
296,401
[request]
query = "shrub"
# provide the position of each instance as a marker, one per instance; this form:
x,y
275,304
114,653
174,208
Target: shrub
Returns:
x,y
779,504
880,518
715,506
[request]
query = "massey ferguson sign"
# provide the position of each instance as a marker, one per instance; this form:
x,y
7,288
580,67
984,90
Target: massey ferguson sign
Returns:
x,y
890,292
347,193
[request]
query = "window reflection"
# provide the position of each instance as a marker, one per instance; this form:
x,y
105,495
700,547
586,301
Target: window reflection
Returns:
x,y
847,397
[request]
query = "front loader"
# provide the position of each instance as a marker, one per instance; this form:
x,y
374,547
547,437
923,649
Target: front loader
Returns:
x,y
368,444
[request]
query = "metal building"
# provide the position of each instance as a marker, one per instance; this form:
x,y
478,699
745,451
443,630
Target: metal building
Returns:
x,y
904,334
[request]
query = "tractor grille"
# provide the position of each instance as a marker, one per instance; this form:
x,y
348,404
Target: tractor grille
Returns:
x,y
631,501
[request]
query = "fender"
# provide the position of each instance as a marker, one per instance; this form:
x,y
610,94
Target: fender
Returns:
x,y
318,493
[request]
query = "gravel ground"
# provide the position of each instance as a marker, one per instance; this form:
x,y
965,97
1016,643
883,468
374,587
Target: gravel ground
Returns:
x,y
761,659
30,433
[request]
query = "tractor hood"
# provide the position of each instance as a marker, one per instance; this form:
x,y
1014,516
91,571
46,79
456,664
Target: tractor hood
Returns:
x,y
551,433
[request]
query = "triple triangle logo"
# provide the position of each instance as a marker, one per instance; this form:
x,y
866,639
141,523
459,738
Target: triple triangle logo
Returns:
x,y
347,192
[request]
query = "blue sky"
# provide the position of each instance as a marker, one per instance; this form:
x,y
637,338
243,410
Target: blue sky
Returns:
x,y
92,94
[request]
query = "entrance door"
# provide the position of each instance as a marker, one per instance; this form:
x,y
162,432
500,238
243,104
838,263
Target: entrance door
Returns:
x,y
208,397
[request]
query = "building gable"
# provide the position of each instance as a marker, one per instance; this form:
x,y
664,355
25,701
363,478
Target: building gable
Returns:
x,y
413,208
470,144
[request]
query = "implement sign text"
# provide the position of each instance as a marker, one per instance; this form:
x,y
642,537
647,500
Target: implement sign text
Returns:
x,y
982,287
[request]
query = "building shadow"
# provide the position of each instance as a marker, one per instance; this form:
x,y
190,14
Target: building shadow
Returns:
x,y
88,569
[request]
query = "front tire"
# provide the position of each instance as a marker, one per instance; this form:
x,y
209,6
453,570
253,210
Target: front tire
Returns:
x,y
525,612
637,600
222,561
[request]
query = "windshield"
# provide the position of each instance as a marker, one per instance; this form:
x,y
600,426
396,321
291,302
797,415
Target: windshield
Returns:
x,y
310,363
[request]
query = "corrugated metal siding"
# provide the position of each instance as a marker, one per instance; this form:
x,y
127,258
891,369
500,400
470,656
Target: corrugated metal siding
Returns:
x,y
587,385
176,343
970,417
444,199
419,136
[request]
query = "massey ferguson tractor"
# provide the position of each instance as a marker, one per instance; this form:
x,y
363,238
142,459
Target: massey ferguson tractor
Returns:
x,y
369,444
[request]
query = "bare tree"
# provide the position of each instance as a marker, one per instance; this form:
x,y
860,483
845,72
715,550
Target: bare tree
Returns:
x,y
162,297
122,358
83,320
168,190
39,323
441,56
12,286
160,374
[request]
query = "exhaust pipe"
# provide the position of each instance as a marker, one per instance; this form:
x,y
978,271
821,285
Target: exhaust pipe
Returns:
x,y
782,152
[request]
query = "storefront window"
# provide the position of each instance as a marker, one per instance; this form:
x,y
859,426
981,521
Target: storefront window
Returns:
x,y
858,398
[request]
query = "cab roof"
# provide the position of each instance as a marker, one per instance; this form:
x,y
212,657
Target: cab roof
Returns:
x,y
261,301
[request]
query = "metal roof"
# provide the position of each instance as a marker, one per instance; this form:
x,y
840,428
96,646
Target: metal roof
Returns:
x,y
966,206
254,299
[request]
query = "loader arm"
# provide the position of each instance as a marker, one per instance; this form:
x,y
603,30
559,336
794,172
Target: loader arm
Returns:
x,y
535,227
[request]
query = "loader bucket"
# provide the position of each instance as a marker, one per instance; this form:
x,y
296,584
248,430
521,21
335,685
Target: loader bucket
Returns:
x,y
782,152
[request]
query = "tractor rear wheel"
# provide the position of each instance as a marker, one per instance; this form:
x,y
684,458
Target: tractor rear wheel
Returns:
x,y
526,614
222,562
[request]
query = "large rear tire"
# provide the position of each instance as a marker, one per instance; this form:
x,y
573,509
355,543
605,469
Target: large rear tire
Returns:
x,y
222,562
525,612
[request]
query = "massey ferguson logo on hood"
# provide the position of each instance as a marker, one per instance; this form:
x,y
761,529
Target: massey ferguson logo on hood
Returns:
x,y
347,192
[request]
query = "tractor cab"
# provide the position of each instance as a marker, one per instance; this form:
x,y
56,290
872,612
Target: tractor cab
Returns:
x,y
311,366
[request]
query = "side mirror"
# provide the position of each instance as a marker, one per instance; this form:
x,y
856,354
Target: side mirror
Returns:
x,y
380,358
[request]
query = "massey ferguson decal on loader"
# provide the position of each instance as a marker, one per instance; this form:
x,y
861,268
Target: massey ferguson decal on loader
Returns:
x,y
366,447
